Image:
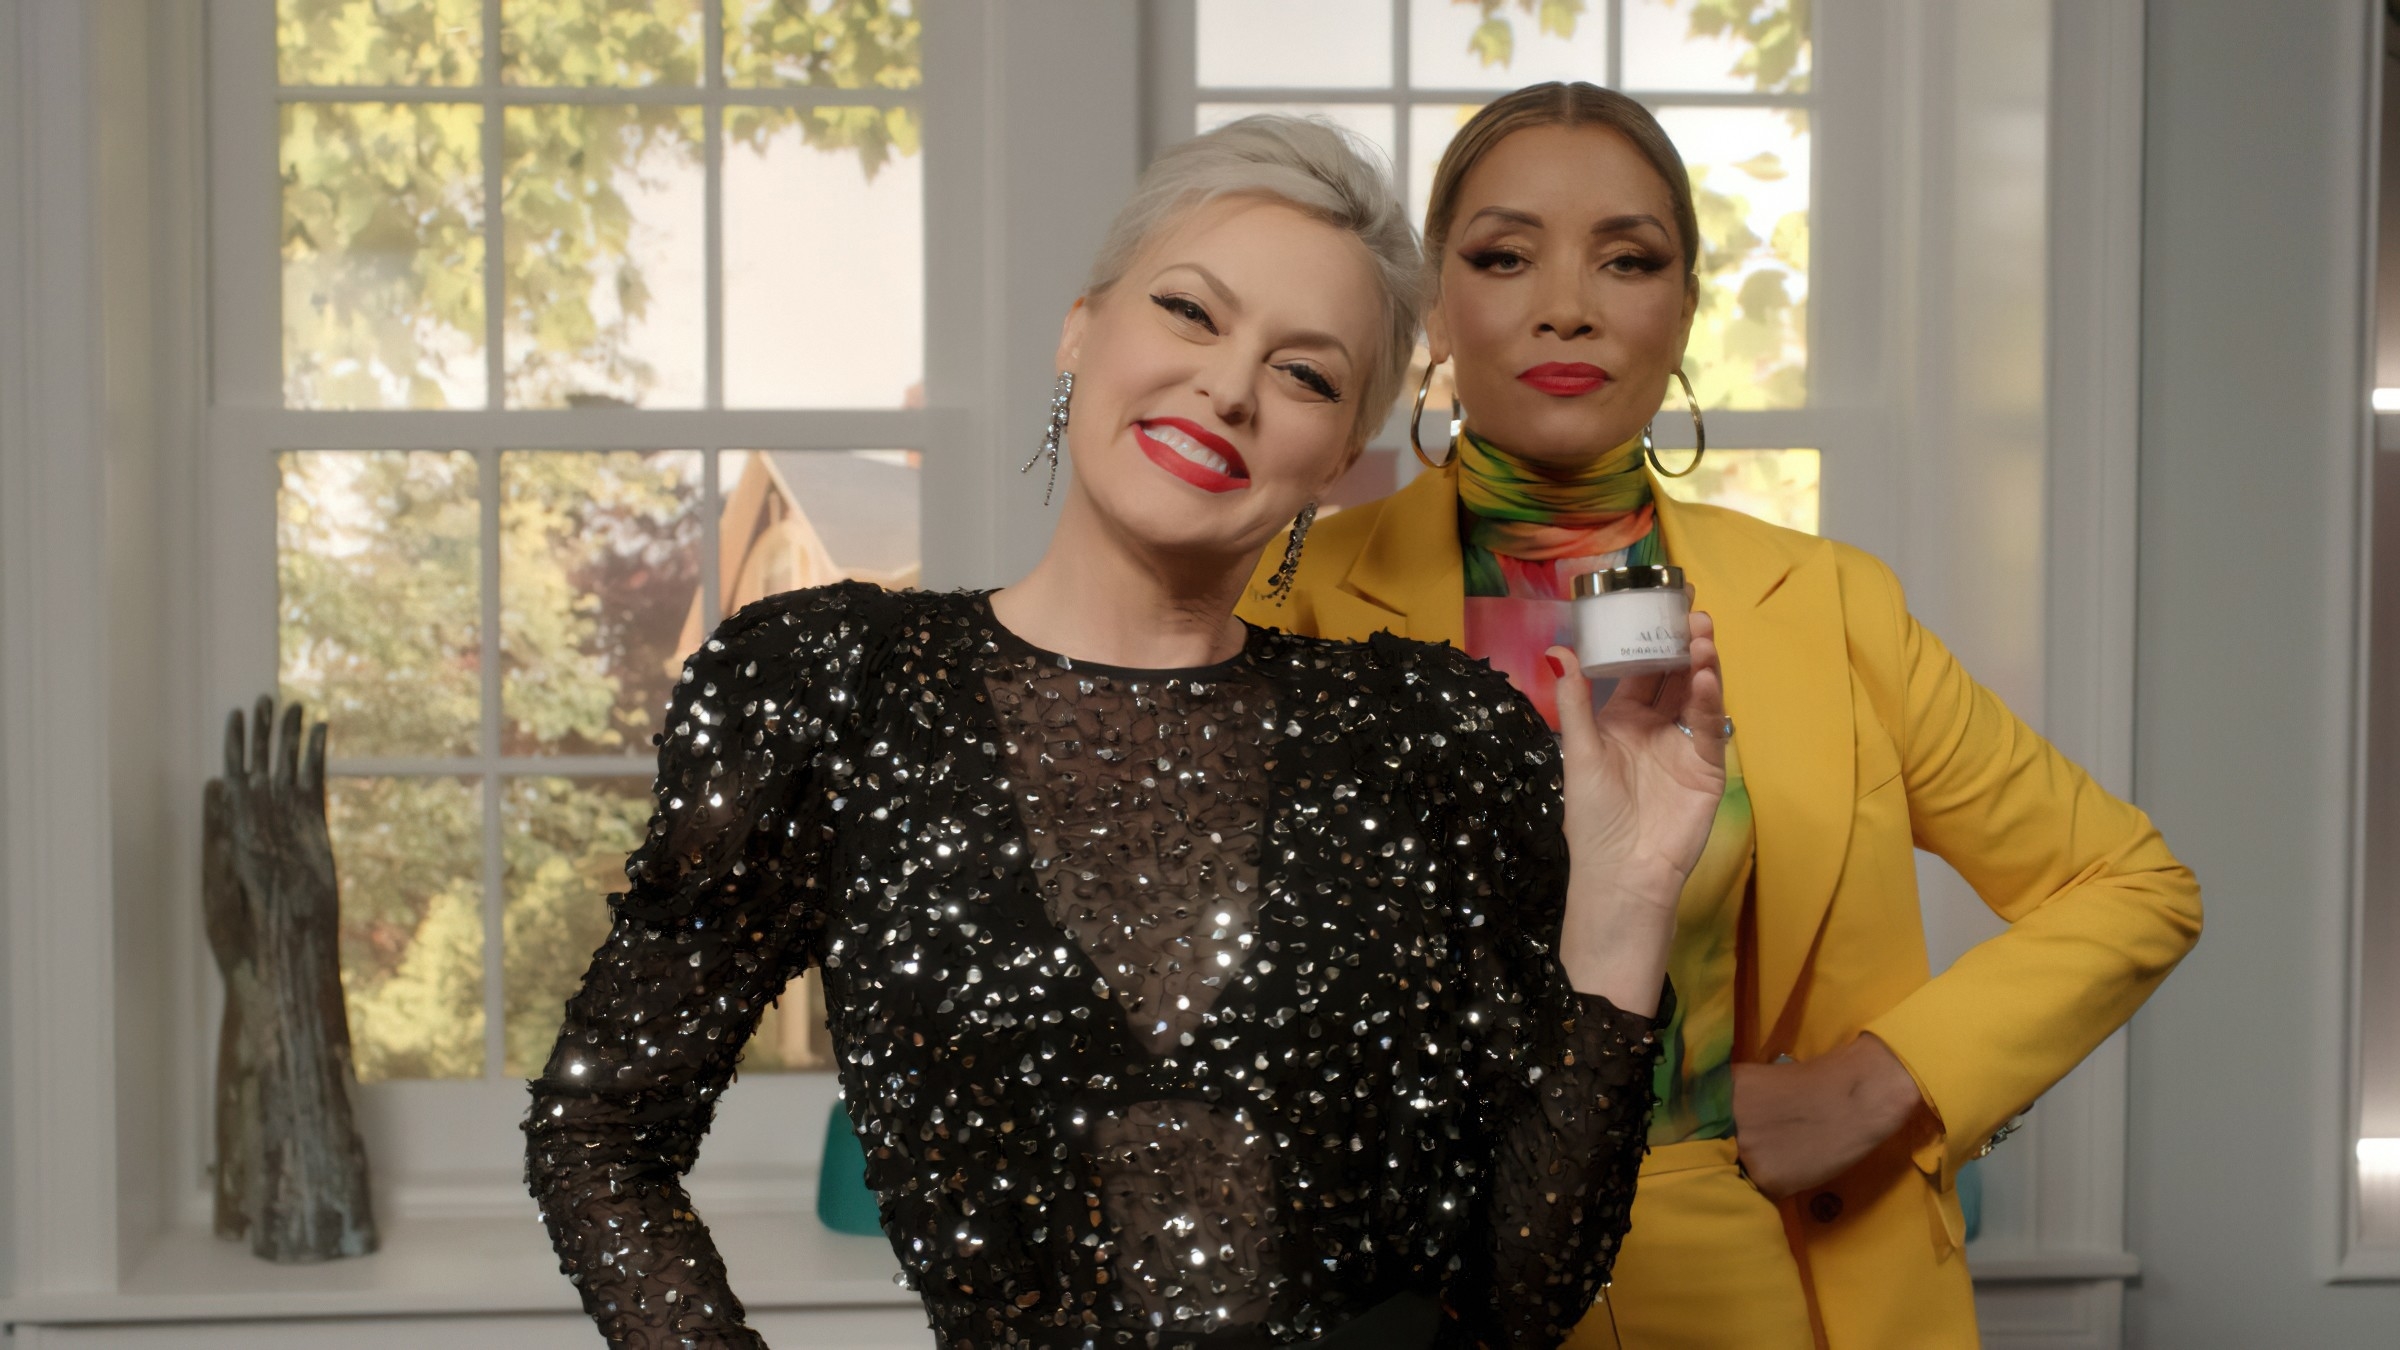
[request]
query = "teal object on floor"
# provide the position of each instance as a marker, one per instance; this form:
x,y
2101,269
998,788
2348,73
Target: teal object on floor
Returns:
x,y
843,1201
1970,1197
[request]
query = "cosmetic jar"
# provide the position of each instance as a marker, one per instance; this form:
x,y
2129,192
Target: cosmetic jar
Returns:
x,y
1632,621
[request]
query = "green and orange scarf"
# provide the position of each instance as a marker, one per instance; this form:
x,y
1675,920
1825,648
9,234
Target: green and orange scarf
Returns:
x,y
1524,512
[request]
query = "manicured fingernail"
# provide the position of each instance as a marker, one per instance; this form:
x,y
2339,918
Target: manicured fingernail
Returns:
x,y
1558,668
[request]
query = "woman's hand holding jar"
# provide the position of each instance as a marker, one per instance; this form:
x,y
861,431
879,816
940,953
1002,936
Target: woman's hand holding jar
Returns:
x,y
1643,777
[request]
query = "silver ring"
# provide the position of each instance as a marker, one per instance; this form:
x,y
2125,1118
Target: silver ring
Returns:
x,y
1687,731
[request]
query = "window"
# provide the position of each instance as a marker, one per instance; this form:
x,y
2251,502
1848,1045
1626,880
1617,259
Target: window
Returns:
x,y
1731,81
539,265
2371,1240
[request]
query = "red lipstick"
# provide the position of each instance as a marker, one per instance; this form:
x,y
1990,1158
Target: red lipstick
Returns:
x,y
1192,453
1564,379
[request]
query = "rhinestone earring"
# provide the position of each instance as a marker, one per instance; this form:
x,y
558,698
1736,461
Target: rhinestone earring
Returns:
x,y
1060,393
1279,588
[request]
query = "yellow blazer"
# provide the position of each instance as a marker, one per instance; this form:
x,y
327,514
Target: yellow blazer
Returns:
x,y
1862,741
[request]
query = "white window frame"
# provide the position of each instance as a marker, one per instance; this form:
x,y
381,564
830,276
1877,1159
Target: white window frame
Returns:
x,y
2360,1225
434,1138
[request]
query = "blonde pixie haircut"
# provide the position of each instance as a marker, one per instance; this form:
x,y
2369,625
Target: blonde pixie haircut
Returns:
x,y
1315,168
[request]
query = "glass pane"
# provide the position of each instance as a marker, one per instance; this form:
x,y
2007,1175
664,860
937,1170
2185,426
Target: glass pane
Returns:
x,y
2378,1191
604,247
824,258
382,255
599,578
797,518
410,856
600,42
379,601
1430,127
379,41
1483,44
1373,121
563,842
1275,44
1777,486
832,44
1749,167
1749,45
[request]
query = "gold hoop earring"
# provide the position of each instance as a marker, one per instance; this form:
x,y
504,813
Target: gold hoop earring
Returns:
x,y
1699,433
1416,415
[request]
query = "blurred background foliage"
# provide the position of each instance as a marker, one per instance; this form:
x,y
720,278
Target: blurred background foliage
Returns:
x,y
383,203
381,608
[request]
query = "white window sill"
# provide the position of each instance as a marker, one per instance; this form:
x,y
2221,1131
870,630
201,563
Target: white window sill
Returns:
x,y
1992,1266
429,1266
777,1261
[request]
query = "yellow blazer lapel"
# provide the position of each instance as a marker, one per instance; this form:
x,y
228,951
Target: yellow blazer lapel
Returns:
x,y
1408,577
1776,599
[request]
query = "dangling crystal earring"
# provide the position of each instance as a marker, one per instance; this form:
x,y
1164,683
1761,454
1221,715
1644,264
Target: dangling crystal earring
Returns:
x,y
1279,588
1060,393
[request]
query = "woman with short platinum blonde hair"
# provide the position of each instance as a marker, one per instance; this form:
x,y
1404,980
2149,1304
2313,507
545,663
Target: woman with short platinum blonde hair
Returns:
x,y
1192,984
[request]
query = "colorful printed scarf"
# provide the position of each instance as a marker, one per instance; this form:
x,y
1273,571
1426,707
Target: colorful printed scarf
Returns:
x,y
1512,508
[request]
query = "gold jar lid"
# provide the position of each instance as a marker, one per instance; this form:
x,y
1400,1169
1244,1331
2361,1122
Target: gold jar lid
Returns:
x,y
1657,577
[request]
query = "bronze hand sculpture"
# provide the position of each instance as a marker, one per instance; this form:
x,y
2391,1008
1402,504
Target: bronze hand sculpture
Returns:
x,y
291,1169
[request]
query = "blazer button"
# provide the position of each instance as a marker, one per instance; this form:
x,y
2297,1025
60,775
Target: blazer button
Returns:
x,y
1825,1207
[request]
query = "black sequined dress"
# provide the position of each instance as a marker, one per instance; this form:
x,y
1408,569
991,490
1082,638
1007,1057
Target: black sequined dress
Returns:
x,y
1195,1008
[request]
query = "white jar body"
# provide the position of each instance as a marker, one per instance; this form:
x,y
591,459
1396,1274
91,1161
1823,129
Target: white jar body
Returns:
x,y
1634,632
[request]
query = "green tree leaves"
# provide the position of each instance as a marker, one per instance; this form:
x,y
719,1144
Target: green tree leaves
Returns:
x,y
379,41
380,571
1775,34
831,44
382,255
384,218
1749,344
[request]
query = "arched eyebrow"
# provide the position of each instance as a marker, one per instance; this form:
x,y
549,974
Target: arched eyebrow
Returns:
x,y
1621,224
1233,306
1217,288
1510,214
1605,225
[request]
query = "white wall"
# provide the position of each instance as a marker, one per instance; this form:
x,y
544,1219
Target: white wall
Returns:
x,y
2252,412
12,395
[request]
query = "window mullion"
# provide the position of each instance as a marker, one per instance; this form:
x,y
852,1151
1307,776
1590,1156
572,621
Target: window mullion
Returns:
x,y
712,170
670,95
495,1042
494,272
712,555
1616,44
1402,102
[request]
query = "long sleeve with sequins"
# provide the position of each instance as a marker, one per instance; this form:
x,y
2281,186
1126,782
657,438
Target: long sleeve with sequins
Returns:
x,y
708,930
1563,1078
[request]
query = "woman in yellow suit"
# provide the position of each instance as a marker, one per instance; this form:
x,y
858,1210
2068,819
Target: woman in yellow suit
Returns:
x,y
1820,1091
